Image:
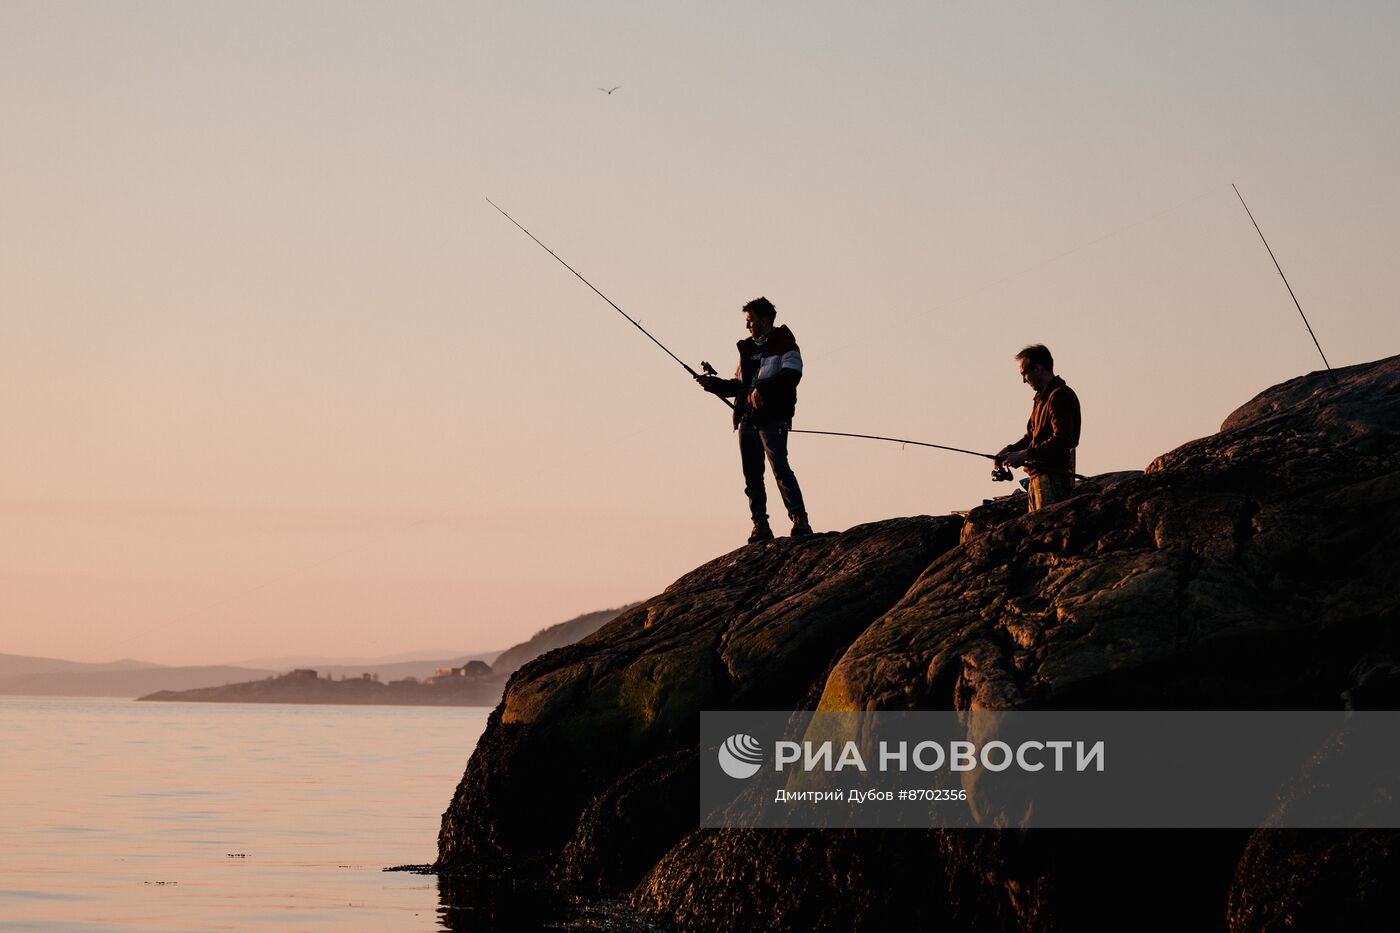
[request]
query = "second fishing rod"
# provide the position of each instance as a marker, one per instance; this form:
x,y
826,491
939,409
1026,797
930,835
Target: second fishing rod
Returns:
x,y
999,473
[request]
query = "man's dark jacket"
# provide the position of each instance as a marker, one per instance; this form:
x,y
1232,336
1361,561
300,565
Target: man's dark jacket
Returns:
x,y
1052,433
773,367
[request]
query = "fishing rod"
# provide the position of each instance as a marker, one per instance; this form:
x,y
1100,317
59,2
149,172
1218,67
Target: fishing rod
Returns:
x,y
630,319
895,440
999,473
1286,285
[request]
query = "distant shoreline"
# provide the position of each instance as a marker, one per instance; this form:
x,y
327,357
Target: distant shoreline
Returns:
x,y
305,687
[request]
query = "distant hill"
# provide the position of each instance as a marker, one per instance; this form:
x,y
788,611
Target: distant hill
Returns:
x,y
83,680
304,686
373,664
395,670
26,676
326,687
87,682
556,636
12,665
21,675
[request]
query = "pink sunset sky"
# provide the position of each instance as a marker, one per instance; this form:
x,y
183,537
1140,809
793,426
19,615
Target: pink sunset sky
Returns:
x,y
276,379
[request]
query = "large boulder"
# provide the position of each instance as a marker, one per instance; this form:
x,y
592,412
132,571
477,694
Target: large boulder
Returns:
x,y
1252,569
758,628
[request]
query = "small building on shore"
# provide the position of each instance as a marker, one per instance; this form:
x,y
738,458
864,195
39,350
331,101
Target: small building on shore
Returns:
x,y
472,669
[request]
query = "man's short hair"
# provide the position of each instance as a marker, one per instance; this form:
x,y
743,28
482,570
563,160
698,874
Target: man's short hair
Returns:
x,y
761,307
1037,355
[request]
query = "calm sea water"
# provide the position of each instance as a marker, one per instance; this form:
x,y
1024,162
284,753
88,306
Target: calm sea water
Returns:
x,y
128,817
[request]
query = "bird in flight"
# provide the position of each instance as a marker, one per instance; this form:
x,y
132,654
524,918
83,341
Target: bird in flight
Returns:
x,y
608,90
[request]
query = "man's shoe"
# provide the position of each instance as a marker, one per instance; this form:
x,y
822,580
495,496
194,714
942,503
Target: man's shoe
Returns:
x,y
800,526
761,532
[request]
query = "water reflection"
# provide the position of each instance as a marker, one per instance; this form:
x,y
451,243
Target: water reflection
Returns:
x,y
471,906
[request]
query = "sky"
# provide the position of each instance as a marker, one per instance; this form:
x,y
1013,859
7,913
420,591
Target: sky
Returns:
x,y
276,379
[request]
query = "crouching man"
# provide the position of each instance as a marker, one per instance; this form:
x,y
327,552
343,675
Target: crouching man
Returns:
x,y
1047,451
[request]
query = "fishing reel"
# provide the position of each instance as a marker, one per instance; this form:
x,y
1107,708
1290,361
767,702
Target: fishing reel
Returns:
x,y
1002,474
707,369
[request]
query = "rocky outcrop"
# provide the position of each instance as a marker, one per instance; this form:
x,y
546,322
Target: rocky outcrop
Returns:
x,y
756,629
1250,569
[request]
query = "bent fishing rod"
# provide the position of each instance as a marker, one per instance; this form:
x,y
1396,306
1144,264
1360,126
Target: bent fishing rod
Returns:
x,y
894,440
710,371
999,472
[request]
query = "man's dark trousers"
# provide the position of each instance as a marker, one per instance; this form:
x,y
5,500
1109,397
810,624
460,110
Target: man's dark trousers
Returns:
x,y
756,441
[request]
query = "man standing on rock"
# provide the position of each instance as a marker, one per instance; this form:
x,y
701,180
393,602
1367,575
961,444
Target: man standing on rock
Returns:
x,y
764,388
1052,433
